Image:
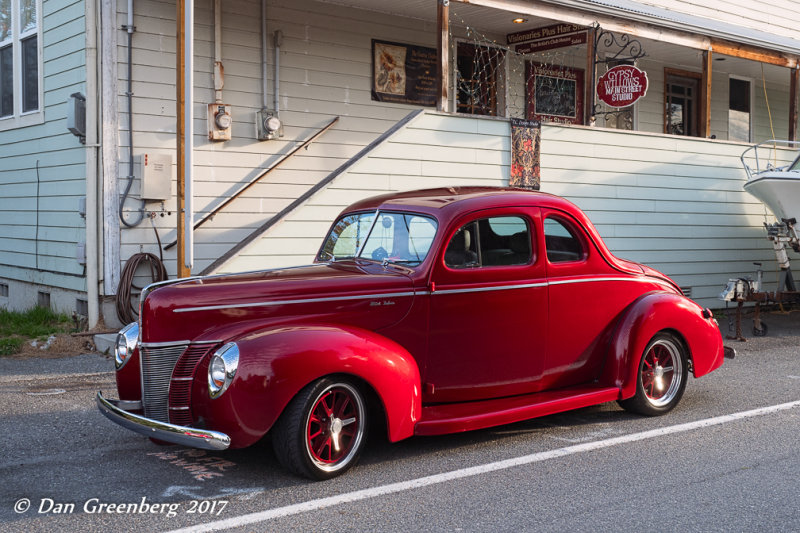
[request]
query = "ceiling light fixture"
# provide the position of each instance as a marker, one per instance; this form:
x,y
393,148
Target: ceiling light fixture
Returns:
x,y
519,20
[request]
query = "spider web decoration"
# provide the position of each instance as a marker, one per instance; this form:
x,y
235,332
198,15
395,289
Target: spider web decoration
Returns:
x,y
494,79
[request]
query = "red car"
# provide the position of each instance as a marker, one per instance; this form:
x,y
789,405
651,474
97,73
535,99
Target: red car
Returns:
x,y
431,312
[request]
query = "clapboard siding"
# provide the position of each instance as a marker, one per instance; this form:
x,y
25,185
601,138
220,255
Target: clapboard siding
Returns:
x,y
782,17
51,259
674,203
325,72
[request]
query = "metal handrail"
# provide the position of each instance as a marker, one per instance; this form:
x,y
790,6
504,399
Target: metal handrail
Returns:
x,y
774,142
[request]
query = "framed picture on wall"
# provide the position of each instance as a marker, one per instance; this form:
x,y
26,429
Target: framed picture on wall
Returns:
x,y
554,93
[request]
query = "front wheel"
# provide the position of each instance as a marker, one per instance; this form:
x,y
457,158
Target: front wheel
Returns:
x,y
322,431
661,378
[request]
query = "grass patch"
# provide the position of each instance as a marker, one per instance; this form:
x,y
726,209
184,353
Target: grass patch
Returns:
x,y
17,328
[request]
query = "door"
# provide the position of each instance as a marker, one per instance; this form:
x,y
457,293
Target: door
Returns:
x,y
488,309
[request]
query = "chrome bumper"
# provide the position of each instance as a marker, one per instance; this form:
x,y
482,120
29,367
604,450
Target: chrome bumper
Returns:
x,y
115,411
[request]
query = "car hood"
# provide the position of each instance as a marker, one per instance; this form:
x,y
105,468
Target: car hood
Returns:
x,y
364,294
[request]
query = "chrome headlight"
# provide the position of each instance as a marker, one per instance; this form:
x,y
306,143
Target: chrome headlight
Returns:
x,y
126,344
222,368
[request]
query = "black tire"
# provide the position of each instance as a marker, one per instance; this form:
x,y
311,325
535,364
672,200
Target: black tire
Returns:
x,y
313,437
661,378
760,332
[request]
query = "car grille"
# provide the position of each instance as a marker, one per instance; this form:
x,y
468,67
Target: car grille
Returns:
x,y
180,389
157,366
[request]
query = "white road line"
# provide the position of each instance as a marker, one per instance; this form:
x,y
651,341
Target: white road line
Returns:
x,y
322,503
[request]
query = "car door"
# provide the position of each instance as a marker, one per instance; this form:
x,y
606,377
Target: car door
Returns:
x,y
586,297
488,309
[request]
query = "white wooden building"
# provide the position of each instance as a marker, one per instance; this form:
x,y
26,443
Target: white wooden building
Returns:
x,y
664,188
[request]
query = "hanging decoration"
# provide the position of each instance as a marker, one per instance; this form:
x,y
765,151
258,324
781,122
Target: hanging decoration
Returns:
x,y
526,138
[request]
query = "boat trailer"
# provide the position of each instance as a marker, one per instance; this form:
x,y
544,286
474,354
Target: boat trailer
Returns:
x,y
741,290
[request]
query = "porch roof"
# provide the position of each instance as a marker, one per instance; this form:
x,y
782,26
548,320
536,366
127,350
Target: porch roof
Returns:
x,y
688,23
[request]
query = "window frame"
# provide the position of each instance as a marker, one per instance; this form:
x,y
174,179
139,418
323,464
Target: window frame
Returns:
x,y
19,118
695,112
752,104
573,230
479,265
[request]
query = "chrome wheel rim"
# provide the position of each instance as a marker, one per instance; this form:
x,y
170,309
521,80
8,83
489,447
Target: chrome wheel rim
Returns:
x,y
662,371
334,427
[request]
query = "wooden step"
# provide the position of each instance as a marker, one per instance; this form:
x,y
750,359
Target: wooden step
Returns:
x,y
457,417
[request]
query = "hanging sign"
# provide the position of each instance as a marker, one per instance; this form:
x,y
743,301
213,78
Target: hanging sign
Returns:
x,y
622,86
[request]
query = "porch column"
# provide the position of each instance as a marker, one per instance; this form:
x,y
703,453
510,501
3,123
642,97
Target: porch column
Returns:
x,y
591,75
443,49
794,77
180,116
705,96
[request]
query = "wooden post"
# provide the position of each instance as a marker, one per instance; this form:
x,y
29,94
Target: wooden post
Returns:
x,y
794,78
591,76
705,96
443,48
180,63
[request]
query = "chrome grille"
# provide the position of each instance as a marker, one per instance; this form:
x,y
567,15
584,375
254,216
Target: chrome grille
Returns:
x,y
157,365
180,390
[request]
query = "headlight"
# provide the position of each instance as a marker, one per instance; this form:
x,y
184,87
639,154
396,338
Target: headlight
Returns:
x,y
126,344
222,368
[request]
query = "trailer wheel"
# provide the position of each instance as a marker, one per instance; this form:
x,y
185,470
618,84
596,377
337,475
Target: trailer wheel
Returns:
x,y
760,332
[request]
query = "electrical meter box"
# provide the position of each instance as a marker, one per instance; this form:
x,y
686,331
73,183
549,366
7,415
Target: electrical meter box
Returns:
x,y
155,174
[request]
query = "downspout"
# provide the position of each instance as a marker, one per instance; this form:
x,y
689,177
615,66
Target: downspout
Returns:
x,y
92,255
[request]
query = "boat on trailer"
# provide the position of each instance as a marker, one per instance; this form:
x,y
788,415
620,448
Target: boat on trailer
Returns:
x,y
774,179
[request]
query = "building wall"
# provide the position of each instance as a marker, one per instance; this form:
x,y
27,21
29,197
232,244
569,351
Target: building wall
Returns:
x,y
325,72
674,203
781,17
42,175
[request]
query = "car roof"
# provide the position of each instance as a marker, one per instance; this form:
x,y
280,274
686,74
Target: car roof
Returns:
x,y
455,200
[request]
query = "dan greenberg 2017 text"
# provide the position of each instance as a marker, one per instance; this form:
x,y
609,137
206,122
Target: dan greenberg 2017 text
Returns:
x,y
95,506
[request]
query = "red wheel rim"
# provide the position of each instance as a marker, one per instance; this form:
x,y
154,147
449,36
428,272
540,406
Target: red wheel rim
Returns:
x,y
333,426
661,372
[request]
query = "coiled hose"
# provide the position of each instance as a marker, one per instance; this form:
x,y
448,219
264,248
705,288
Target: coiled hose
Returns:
x,y
126,311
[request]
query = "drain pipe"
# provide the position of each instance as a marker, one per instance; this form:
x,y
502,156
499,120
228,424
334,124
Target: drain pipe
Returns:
x,y
129,93
92,277
278,41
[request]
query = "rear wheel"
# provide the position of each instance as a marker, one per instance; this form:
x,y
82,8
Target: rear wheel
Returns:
x,y
322,431
661,378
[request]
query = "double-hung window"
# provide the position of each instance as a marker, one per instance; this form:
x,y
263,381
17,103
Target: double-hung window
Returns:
x,y
20,63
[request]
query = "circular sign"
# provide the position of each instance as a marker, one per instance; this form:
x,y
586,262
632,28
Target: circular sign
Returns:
x,y
622,86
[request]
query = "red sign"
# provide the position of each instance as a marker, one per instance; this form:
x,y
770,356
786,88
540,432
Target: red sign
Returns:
x,y
622,86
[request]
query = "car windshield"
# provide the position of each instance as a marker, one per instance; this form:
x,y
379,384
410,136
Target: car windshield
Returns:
x,y
382,236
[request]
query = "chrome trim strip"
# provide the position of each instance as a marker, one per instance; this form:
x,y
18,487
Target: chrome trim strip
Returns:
x,y
300,301
162,344
493,288
182,379
183,435
183,408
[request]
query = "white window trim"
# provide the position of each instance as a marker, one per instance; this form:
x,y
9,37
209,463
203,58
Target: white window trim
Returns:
x,y
29,118
752,83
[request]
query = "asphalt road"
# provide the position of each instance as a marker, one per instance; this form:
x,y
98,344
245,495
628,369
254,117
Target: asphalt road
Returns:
x,y
63,466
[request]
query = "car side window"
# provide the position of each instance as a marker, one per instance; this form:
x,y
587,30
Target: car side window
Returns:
x,y
495,241
562,243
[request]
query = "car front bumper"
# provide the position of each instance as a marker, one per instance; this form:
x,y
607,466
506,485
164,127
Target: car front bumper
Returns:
x,y
115,411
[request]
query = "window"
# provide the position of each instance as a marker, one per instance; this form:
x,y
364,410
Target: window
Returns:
x,y
681,98
478,75
562,243
20,63
739,110
497,241
394,237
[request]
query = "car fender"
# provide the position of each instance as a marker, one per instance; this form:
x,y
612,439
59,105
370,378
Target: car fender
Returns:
x,y
276,363
648,315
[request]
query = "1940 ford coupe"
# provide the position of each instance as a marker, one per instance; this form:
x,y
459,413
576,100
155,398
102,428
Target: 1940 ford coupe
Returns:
x,y
432,311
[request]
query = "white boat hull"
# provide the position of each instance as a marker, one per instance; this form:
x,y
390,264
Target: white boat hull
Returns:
x,y
779,191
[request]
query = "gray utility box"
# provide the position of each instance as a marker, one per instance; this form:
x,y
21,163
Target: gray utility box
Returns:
x,y
155,174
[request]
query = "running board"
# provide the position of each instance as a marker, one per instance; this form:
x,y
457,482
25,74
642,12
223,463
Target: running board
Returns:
x,y
458,417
